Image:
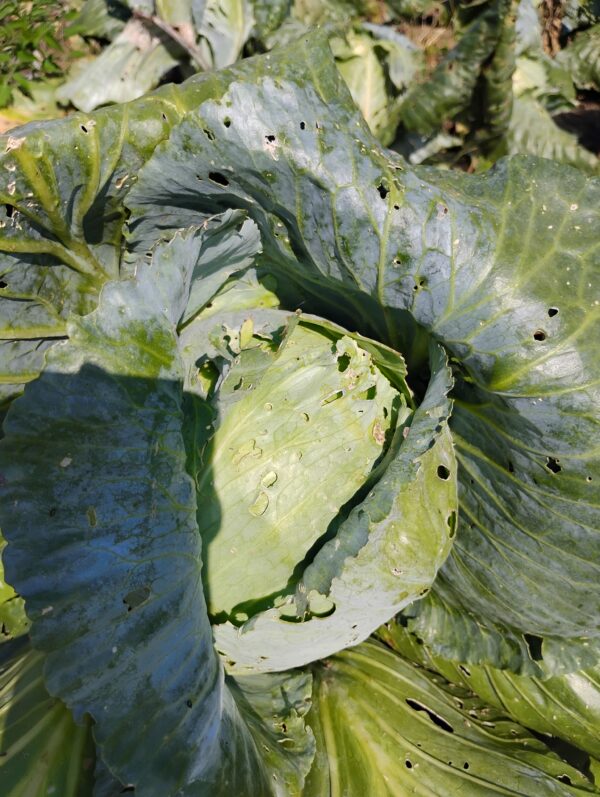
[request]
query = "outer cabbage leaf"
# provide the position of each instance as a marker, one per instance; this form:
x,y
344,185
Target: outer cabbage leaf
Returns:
x,y
582,59
497,89
357,59
42,751
532,131
62,188
225,26
101,18
565,706
385,727
376,63
500,268
62,185
112,578
126,69
448,90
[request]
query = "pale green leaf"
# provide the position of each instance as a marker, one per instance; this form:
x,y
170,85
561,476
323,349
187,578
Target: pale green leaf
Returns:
x,y
565,706
42,751
130,66
385,727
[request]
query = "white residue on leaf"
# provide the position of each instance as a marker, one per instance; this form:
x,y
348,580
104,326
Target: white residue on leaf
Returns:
x,y
65,462
14,143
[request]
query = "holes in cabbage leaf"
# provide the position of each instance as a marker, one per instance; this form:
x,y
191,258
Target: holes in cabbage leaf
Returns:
x,y
588,478
435,718
189,703
83,128
302,125
382,190
539,334
270,138
552,464
343,362
552,311
534,646
333,397
227,122
218,178
3,285
451,521
9,211
443,472
209,134
564,779
464,670
466,765
408,764
136,597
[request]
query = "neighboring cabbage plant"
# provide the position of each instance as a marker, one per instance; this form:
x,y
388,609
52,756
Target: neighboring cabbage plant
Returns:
x,y
299,470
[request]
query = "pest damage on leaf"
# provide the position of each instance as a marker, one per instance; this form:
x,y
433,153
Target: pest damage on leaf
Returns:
x,y
296,497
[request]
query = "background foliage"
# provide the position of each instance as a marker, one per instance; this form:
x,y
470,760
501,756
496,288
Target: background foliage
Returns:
x,y
453,84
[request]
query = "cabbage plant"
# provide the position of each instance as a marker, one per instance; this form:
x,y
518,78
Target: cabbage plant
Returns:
x,y
299,468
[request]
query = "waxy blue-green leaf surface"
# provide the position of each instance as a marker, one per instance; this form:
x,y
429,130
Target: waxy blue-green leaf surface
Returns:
x,y
501,268
112,579
497,273
62,185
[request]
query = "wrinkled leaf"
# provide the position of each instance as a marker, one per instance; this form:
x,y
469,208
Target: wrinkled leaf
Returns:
x,y
582,59
225,28
499,268
385,727
566,706
449,88
532,131
62,185
42,750
124,546
130,66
